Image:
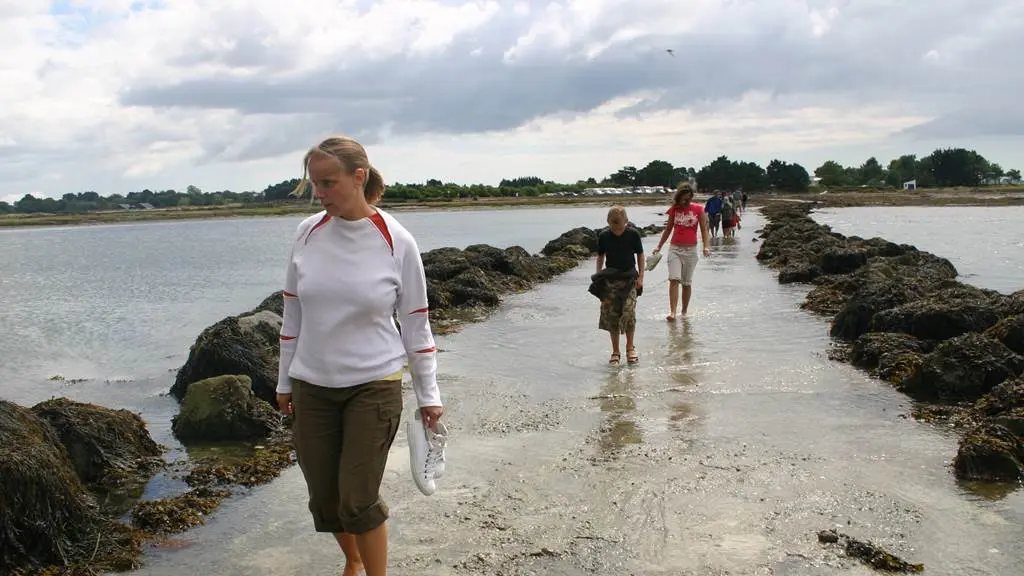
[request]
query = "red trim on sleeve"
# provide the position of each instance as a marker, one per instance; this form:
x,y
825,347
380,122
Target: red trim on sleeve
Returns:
x,y
427,350
287,337
322,221
382,227
419,311
288,294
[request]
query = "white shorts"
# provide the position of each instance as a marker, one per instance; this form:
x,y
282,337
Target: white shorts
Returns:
x,y
682,260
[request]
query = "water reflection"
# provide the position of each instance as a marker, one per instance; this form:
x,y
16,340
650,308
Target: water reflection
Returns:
x,y
618,399
726,247
992,491
681,359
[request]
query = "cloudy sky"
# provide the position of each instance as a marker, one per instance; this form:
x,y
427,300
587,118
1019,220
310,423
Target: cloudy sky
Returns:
x,y
120,95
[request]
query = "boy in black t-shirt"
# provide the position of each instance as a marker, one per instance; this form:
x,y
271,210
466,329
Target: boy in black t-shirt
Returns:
x,y
620,266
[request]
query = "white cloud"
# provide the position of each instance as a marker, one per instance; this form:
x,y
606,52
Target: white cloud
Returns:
x,y
115,95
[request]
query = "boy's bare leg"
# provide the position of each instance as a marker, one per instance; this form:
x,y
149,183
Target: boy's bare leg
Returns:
x,y
630,348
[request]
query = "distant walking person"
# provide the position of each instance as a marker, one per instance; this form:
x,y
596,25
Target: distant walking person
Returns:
x,y
713,208
619,280
684,219
728,218
743,200
353,267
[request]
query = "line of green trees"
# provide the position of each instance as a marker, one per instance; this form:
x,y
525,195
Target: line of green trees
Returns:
x,y
942,168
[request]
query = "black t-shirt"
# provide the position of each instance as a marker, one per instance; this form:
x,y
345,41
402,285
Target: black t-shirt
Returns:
x,y
620,251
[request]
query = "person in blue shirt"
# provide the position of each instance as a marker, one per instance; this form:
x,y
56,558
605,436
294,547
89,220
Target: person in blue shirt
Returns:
x,y
713,208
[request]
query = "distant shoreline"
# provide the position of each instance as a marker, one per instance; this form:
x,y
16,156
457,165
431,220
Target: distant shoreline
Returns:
x,y
1013,196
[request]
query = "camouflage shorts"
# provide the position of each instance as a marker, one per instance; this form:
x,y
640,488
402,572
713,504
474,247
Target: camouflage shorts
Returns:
x,y
614,319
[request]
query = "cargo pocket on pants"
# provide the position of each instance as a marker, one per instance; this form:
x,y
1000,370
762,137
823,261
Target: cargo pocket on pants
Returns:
x,y
390,416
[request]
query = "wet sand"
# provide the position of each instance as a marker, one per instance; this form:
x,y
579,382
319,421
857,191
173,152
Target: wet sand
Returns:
x,y
723,452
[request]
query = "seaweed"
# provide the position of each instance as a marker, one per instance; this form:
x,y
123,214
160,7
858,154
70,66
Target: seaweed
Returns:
x,y
49,522
868,553
178,513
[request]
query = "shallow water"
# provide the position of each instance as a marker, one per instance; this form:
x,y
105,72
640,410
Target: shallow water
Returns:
x,y
731,444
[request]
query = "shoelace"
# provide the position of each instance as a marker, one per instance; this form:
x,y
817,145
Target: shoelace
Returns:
x,y
435,451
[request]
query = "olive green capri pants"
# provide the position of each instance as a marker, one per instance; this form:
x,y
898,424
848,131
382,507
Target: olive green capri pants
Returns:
x,y
342,437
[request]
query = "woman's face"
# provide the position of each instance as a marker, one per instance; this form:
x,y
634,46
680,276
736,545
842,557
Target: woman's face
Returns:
x,y
337,190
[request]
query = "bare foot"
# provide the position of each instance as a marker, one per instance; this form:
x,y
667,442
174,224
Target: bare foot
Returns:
x,y
353,570
671,317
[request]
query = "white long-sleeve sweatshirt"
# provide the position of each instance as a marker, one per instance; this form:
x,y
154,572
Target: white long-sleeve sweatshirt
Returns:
x,y
345,282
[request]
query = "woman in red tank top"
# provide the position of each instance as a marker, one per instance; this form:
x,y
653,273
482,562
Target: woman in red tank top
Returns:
x,y
684,219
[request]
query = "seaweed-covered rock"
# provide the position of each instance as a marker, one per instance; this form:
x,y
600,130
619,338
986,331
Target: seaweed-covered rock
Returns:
x,y
480,275
963,368
868,348
1015,303
1004,405
1009,331
880,247
824,298
943,314
224,408
177,513
47,517
1005,397
443,264
248,344
883,284
800,271
273,303
474,287
854,318
842,259
990,453
581,237
896,366
107,447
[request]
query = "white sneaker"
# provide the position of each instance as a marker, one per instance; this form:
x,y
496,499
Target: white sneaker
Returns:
x,y
426,452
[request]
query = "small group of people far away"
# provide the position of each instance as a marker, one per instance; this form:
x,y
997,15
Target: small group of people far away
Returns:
x,y
354,270
621,262
724,209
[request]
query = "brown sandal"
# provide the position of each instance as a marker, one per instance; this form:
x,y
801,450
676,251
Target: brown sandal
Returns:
x,y
631,356
614,360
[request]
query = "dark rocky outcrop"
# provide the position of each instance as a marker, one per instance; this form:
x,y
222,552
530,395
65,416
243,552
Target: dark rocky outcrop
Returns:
x,y
273,303
480,275
991,453
47,516
1009,331
957,349
943,314
963,368
869,348
224,408
108,448
1004,405
572,241
245,344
